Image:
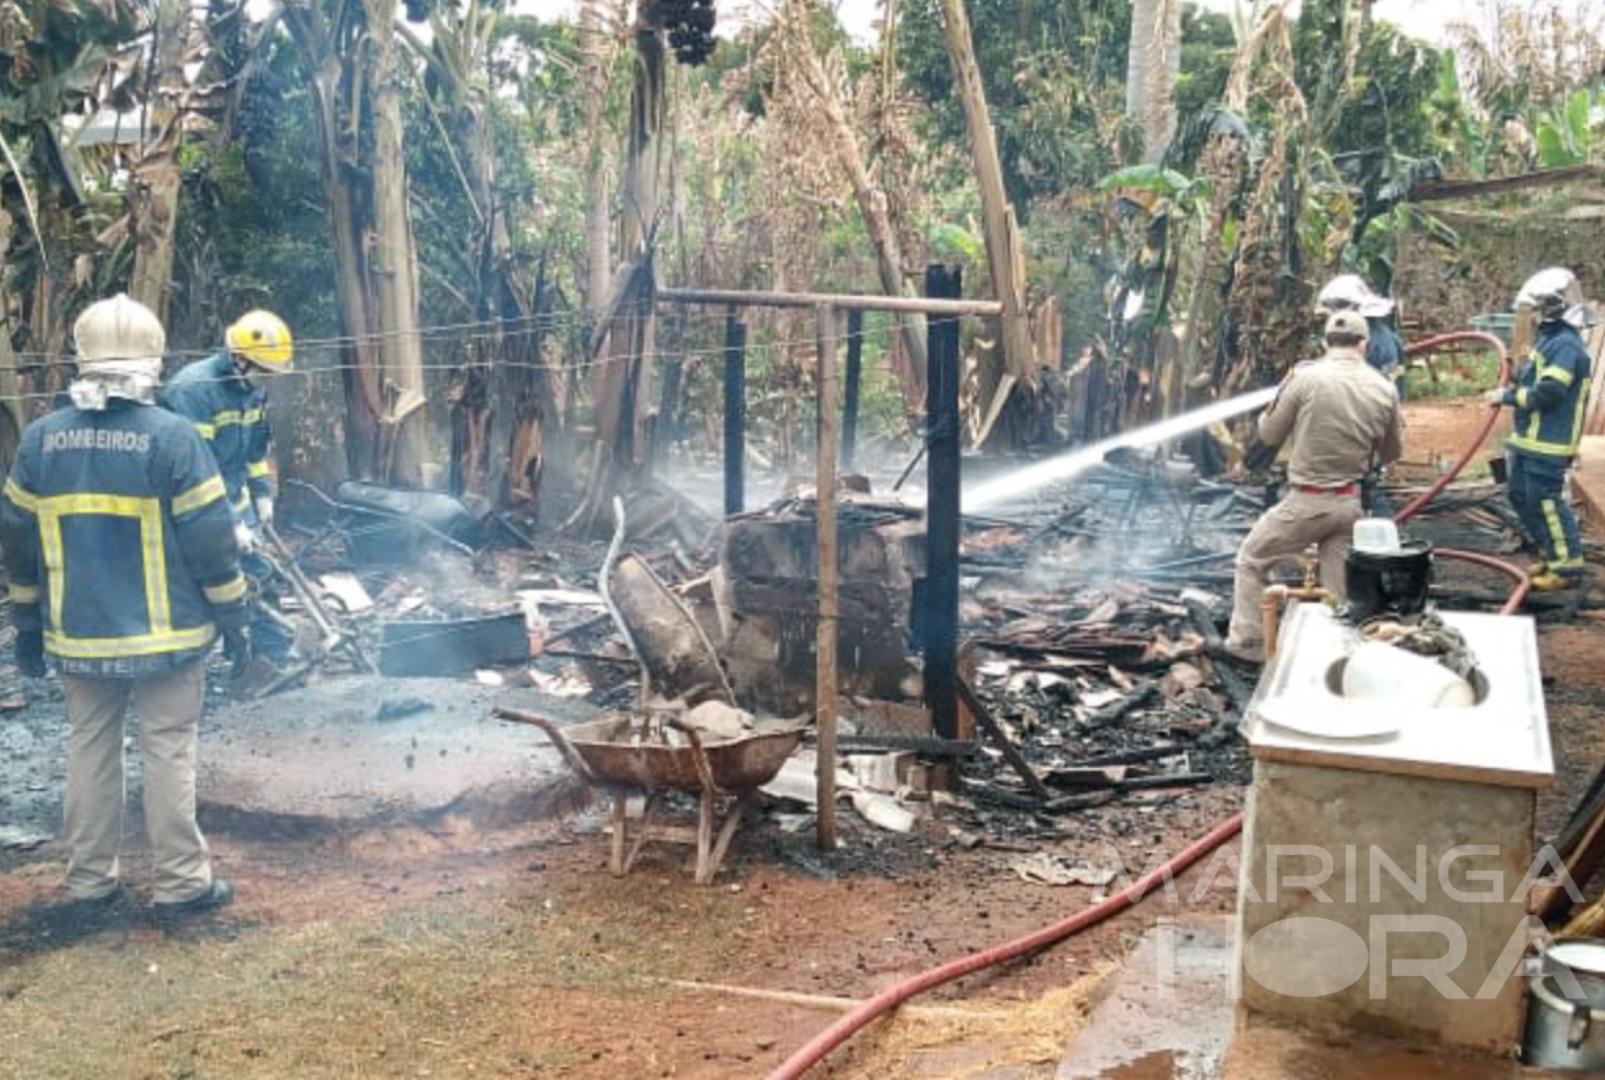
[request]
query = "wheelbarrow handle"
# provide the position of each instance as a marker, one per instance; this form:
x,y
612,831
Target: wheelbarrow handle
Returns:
x,y
553,732
699,756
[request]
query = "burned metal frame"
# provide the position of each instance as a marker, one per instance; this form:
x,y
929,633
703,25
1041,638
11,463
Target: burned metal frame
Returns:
x,y
939,609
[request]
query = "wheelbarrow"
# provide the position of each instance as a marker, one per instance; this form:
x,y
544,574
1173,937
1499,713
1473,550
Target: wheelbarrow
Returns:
x,y
614,754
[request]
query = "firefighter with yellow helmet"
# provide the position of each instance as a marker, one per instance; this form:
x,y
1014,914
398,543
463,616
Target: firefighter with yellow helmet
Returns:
x,y
225,397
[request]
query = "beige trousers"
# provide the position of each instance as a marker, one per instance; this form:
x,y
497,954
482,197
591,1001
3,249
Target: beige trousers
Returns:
x,y
1283,531
169,708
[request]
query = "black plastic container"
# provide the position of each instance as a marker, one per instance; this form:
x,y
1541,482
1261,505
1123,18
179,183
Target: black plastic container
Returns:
x,y
1397,582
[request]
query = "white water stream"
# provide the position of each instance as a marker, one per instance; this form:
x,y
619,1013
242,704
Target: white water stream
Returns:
x,y
1013,485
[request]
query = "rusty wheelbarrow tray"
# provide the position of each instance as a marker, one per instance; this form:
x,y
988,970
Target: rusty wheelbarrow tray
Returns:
x,y
598,754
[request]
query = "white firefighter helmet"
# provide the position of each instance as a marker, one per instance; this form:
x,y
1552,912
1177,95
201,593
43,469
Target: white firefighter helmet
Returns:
x,y
1349,292
120,345
1555,293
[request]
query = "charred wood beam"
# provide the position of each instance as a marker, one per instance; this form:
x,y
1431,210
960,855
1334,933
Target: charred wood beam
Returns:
x,y
926,745
1132,757
1143,693
855,363
735,414
1011,753
939,625
1062,804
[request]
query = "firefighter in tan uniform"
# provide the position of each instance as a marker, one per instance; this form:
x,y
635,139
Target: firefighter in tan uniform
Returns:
x,y
1342,416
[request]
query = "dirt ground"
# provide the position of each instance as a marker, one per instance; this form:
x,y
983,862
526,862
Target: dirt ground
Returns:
x,y
450,951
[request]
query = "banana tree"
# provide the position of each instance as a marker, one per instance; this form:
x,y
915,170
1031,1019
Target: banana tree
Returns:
x,y
56,60
347,49
501,366
1565,135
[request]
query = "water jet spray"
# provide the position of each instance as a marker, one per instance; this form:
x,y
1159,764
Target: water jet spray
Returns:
x,y
1067,466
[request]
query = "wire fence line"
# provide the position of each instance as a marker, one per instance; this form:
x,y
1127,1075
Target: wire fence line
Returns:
x,y
760,348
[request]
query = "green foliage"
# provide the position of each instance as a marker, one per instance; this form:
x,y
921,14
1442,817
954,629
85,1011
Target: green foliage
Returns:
x,y
1054,80
1207,47
1565,135
1460,376
954,243
53,54
252,229
1161,181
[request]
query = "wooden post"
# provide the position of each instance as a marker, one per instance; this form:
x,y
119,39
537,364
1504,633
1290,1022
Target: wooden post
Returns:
x,y
940,617
825,635
855,362
735,413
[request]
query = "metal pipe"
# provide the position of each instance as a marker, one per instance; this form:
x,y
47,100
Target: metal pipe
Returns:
x,y
1271,617
843,301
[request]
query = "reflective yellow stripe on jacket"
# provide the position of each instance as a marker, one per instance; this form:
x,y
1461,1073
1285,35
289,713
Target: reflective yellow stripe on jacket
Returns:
x,y
77,648
226,417
205,493
24,499
153,554
1530,439
228,592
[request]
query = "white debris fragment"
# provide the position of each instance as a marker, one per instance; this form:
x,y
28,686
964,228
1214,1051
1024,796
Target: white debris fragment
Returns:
x,y
715,719
883,811
1044,868
348,591
565,685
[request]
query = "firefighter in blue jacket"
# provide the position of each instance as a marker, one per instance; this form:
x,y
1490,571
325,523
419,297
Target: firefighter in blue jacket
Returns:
x,y
1550,396
224,397
1384,350
123,567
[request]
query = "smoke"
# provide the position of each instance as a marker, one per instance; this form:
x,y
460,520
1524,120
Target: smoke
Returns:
x,y
1014,485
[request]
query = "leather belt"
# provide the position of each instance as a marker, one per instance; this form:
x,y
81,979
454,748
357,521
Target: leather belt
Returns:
x,y
1351,488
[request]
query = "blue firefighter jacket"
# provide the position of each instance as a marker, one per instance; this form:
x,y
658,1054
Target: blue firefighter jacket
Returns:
x,y
1384,351
1551,393
118,540
231,415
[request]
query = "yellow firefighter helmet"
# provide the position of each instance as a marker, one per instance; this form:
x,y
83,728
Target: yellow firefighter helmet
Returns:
x,y
262,339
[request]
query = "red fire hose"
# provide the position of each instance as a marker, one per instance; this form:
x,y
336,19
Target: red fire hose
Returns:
x,y
843,1029
1427,345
